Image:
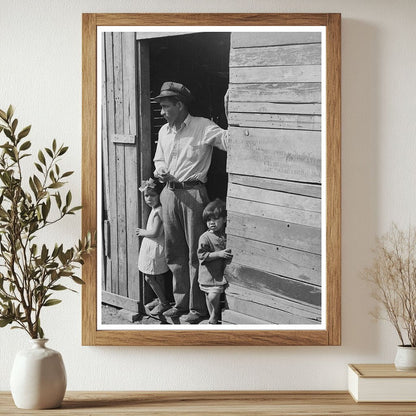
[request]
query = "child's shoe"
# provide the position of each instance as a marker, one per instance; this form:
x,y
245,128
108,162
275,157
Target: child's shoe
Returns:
x,y
174,313
194,318
159,309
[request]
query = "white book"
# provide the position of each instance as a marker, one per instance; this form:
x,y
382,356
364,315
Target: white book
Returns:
x,y
381,383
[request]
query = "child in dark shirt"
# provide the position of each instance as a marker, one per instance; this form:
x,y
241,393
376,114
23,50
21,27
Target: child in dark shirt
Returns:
x,y
213,256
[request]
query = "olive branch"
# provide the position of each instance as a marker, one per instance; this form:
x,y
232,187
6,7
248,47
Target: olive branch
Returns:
x,y
31,274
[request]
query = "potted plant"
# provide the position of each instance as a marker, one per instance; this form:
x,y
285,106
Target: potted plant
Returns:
x,y
393,277
31,273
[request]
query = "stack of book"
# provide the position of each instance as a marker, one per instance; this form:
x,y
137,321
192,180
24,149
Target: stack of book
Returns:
x,y
381,383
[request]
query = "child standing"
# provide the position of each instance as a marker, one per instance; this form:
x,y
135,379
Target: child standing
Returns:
x,y
213,256
152,252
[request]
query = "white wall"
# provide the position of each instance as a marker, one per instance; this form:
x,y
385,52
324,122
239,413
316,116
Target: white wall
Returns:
x,y
40,74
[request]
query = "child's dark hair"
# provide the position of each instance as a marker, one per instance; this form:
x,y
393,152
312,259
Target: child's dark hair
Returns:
x,y
214,209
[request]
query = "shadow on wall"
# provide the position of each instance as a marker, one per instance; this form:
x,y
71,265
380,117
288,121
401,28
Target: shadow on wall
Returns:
x,y
360,180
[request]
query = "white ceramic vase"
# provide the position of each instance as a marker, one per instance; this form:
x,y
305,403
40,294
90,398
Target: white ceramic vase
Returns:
x,y
405,358
38,377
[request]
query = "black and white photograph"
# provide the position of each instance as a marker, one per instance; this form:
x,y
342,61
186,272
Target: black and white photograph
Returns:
x,y
211,178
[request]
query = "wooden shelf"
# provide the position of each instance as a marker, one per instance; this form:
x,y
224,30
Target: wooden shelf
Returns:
x,y
318,403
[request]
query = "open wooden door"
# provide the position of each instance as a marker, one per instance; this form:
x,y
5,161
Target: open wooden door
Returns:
x,y
121,162
274,166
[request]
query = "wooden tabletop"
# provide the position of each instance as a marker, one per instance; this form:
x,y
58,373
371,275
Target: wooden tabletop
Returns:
x,y
212,403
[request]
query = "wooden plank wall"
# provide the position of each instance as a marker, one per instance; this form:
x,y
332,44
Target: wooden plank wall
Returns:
x,y
274,166
120,167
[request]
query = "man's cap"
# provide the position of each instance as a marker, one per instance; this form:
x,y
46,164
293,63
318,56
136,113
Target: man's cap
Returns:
x,y
174,89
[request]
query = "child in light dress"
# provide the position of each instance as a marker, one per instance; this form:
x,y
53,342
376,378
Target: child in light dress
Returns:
x,y
213,256
152,261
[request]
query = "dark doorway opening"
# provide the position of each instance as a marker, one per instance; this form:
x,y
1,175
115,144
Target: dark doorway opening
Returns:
x,y
201,62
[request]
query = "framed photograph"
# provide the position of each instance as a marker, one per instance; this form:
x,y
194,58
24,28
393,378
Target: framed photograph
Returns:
x,y
211,172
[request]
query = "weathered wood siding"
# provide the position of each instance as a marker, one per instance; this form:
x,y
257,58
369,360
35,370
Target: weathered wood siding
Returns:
x,y
121,208
274,166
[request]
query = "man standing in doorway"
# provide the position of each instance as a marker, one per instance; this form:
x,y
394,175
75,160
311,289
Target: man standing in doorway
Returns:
x,y
182,159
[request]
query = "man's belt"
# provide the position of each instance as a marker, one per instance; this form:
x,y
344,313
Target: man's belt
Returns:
x,y
183,185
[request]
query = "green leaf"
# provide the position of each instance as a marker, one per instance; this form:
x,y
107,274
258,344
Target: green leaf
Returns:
x,y
34,249
54,145
8,133
56,185
41,157
10,112
62,257
58,199
24,132
76,279
14,125
51,302
45,211
39,167
75,209
40,331
49,152
59,287
63,150
55,251
68,199
37,182
33,187
44,253
3,115
25,155
25,145
58,250
5,321
67,174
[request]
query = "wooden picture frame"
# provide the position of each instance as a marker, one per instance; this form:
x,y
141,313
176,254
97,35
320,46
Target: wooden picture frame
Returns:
x,y
329,333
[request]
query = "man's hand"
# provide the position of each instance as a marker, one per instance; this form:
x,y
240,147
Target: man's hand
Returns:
x,y
139,231
164,175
